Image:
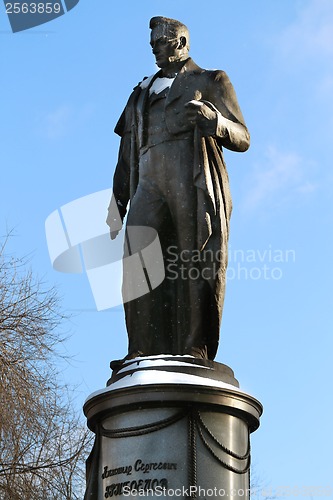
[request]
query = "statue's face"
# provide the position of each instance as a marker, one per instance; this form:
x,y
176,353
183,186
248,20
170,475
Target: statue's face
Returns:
x,y
167,46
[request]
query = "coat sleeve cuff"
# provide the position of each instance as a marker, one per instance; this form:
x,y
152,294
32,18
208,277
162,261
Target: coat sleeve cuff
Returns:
x,y
221,126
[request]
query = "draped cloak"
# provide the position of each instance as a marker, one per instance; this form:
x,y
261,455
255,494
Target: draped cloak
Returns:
x,y
210,177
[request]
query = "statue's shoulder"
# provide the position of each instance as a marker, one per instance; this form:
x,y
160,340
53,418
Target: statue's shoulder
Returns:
x,y
126,119
143,84
218,79
217,75
209,75
136,91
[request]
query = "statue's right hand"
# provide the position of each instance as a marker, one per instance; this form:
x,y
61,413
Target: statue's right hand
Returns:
x,y
115,217
114,234
115,226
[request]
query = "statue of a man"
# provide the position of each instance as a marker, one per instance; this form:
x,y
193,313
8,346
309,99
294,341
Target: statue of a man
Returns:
x,y
172,173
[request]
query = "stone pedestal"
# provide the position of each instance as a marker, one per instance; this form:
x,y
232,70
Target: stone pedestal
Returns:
x,y
170,426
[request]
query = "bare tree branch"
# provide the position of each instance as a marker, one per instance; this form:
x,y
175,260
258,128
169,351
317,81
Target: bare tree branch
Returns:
x,y
43,442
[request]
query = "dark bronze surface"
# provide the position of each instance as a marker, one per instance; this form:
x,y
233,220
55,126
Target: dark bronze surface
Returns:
x,y
172,175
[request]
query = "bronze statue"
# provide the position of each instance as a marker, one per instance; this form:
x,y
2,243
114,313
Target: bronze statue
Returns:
x,y
171,171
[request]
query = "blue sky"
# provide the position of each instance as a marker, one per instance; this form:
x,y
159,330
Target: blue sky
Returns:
x,y
63,86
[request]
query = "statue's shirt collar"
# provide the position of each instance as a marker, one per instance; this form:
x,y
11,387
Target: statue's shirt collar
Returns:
x,y
161,84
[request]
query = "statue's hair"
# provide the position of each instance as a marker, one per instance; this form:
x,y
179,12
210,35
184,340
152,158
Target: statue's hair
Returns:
x,y
171,26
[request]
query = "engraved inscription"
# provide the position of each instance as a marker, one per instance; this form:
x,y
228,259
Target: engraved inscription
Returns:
x,y
115,472
147,467
141,486
126,487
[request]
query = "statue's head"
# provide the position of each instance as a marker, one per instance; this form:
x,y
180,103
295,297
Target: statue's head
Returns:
x,y
169,39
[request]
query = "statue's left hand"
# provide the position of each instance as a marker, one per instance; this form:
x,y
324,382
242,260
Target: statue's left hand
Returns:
x,y
198,113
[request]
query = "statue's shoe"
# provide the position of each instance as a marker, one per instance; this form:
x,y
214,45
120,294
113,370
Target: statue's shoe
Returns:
x,y
117,363
198,352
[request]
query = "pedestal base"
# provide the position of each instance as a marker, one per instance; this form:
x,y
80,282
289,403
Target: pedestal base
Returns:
x,y
170,426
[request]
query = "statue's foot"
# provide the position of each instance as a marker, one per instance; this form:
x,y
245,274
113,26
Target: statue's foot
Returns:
x,y
117,363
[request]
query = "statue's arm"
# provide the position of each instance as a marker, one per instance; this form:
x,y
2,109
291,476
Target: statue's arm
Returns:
x,y
231,130
121,179
217,113
121,188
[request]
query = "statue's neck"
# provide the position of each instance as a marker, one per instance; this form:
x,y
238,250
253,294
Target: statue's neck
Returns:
x,y
173,68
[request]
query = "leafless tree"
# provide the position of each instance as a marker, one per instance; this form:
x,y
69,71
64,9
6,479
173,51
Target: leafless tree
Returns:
x,y
43,442
261,488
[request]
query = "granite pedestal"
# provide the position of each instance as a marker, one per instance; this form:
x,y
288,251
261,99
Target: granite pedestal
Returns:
x,y
170,426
